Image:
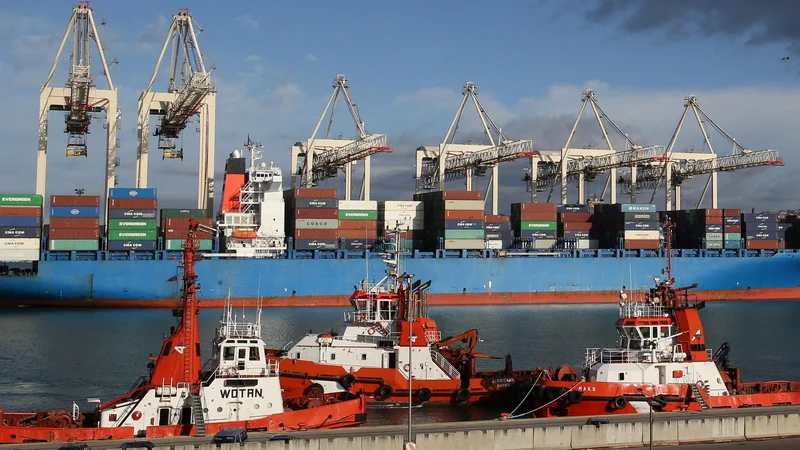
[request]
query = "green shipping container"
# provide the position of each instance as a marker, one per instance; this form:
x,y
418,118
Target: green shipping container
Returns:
x,y
132,235
733,236
178,213
463,234
132,224
358,215
20,200
528,226
177,244
68,245
714,245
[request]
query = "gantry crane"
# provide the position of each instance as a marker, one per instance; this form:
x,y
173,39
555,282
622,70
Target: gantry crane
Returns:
x,y
189,92
451,161
80,98
328,156
673,168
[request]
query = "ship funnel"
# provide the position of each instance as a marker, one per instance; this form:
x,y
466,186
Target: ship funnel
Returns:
x,y
236,153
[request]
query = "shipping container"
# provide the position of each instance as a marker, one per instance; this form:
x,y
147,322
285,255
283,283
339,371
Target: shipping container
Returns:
x,y
74,200
118,224
490,218
540,244
402,224
21,200
144,246
177,244
761,226
319,224
535,216
458,195
183,233
538,234
494,245
759,217
316,244
463,234
316,213
463,224
315,203
359,244
572,208
311,193
572,235
714,228
73,233
633,208
760,244
492,226
733,245
714,237
67,245
641,226
19,255
20,221
316,234
20,244
732,228
20,211
400,215
356,234
463,215
358,215
731,212
132,235
523,226
761,235
732,220
533,207
490,236
464,244
642,235
147,193
20,232
575,217
464,205
402,205
713,220
641,244
714,245
183,223
132,203
74,222
75,211
177,213
358,205
576,226
733,236
133,214
640,216
358,225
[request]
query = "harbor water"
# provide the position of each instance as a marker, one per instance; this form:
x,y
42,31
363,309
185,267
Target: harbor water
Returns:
x,y
50,358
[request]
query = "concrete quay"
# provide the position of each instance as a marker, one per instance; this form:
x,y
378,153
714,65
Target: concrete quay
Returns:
x,y
622,431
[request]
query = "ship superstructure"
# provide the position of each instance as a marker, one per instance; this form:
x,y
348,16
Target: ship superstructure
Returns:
x,y
251,218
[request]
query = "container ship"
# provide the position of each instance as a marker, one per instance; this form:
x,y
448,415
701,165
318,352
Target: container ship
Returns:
x,y
302,247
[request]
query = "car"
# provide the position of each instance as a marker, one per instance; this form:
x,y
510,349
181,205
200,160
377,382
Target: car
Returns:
x,y
597,421
137,444
281,437
230,436
75,446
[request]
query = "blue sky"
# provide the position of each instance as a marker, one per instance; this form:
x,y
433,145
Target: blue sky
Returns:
x,y
407,62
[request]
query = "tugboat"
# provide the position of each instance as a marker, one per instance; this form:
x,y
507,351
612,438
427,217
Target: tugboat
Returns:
x,y
387,337
661,362
238,388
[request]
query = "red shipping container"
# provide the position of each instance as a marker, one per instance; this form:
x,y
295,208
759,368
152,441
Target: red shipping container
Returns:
x,y
20,211
731,212
733,228
74,200
505,219
461,195
317,234
754,244
314,193
183,223
713,212
183,233
132,203
712,220
493,219
576,217
536,207
316,213
536,216
358,234
642,244
358,225
74,222
74,233
463,215
576,226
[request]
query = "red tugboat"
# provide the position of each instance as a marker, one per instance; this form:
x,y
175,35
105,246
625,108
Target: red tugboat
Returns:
x,y
387,336
180,398
661,361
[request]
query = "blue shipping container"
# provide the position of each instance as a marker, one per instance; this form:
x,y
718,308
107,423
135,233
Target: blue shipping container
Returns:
x,y
538,234
632,207
761,226
489,236
640,216
360,244
463,224
20,221
782,226
316,203
148,193
572,208
641,226
576,235
733,245
316,244
20,232
492,227
131,245
760,217
761,235
75,211
731,220
713,228
132,214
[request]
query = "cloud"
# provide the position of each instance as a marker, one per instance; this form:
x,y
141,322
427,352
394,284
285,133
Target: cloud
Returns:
x,y
311,59
433,97
248,22
152,37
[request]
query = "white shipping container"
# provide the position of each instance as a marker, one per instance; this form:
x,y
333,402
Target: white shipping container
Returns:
x,y
358,205
464,244
410,205
17,255
20,244
587,243
543,244
464,205
642,234
402,215
316,224
494,244
714,236
403,224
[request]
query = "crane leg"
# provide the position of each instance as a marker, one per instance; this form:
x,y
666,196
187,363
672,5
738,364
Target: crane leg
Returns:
x,y
211,131
612,180
202,161
348,180
41,154
495,188
111,146
367,182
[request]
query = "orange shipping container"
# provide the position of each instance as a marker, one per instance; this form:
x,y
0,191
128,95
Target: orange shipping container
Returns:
x,y
358,225
20,211
536,216
358,234
316,234
731,212
74,222
536,207
183,233
755,244
713,220
463,215
493,219
132,203
316,213
576,226
314,193
74,233
733,228
642,244
74,200
183,223
576,217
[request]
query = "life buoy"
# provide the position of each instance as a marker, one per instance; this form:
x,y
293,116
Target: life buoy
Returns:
x,y
424,394
347,381
406,367
136,415
371,331
620,402
462,395
384,391
575,397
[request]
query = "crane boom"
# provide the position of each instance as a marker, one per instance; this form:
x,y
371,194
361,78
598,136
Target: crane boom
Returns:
x,y
327,164
456,166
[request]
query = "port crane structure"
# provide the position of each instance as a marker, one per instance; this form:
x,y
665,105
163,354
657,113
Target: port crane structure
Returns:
x,y
322,158
189,92
450,161
80,98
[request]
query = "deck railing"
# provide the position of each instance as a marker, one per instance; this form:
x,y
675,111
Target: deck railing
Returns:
x,y
445,365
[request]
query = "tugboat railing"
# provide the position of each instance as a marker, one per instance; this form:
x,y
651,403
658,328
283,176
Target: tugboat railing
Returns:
x,y
622,355
639,309
445,365
433,337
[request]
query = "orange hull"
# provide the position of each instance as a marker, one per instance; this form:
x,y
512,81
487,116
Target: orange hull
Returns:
x,y
596,398
337,415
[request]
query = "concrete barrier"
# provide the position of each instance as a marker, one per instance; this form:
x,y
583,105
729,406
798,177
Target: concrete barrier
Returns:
x,y
664,433
608,435
760,427
788,425
382,442
295,444
712,429
514,439
552,437
438,441
340,443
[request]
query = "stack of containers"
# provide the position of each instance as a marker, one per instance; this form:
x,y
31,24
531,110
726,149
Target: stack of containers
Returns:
x,y
636,224
312,218
408,216
453,218
761,231
175,228
575,226
132,222
20,227
792,231
497,232
536,222
699,228
74,223
358,224
732,228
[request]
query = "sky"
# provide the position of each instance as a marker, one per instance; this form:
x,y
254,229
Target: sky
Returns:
x,y
274,64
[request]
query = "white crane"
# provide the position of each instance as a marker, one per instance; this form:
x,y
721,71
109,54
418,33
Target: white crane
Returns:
x,y
328,156
189,92
80,98
450,161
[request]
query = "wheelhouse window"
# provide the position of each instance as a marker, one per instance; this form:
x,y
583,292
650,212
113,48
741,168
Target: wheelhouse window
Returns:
x,y
227,353
242,353
254,356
